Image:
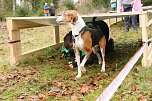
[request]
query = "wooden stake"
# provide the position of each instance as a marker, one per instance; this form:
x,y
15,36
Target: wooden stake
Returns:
x,y
15,47
144,38
56,35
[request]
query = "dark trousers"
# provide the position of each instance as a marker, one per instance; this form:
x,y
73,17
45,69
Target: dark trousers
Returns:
x,y
128,20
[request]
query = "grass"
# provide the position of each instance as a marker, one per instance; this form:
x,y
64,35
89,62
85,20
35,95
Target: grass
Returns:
x,y
48,77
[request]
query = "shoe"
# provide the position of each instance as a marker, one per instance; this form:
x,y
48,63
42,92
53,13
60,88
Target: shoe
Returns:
x,y
135,31
126,30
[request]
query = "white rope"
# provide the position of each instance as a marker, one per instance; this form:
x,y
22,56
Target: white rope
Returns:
x,y
111,89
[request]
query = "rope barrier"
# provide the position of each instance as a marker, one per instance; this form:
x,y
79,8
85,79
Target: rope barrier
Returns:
x,y
113,86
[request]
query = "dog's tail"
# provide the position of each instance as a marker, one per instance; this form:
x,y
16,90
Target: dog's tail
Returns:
x,y
94,19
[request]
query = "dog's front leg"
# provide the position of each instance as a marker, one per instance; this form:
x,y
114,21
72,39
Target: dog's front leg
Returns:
x,y
84,61
77,54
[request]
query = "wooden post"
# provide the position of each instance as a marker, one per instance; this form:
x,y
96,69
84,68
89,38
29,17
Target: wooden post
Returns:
x,y
144,38
15,44
150,54
56,35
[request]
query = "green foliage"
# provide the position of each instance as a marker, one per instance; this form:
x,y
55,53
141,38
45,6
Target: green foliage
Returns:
x,y
146,1
37,6
101,3
4,14
69,4
22,11
8,5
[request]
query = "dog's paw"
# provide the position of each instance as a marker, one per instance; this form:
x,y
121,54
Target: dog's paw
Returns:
x,y
102,70
78,76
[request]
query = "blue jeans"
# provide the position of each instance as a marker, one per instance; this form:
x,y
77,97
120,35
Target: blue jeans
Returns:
x,y
46,14
130,19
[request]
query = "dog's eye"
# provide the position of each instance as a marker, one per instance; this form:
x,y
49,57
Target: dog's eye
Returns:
x,y
69,15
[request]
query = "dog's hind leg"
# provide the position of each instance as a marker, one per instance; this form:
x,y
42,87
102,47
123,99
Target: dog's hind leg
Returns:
x,y
87,48
95,51
102,44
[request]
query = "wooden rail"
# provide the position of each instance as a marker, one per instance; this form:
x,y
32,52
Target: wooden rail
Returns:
x,y
14,24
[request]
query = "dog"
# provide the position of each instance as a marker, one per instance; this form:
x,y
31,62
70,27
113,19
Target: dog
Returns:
x,y
85,39
67,49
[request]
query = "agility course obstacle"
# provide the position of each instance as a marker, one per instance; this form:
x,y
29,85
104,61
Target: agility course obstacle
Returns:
x,y
14,24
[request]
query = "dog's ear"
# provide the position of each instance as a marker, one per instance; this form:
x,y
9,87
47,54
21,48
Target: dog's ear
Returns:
x,y
74,17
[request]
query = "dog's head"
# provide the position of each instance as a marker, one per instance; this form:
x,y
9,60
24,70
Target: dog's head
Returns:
x,y
69,16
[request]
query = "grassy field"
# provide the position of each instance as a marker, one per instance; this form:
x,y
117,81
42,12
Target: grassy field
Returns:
x,y
47,77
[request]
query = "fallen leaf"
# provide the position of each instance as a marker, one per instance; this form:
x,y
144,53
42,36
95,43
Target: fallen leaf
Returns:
x,y
93,82
84,88
53,94
149,79
41,96
135,87
141,98
2,78
34,98
55,89
21,97
104,74
57,84
40,60
74,98
2,90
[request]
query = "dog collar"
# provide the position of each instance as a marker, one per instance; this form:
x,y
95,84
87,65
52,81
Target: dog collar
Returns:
x,y
83,30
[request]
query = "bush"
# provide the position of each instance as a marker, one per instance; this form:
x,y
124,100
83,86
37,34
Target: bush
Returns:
x,y
101,3
69,4
39,12
23,11
4,14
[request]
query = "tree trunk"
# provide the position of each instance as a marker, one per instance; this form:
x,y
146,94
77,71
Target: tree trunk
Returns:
x,y
14,5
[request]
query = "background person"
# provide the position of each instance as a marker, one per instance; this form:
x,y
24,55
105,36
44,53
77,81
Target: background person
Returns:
x,y
127,6
52,9
113,5
137,6
46,9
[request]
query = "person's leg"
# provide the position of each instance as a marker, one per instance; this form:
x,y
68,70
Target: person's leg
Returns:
x,y
134,23
45,14
127,18
126,23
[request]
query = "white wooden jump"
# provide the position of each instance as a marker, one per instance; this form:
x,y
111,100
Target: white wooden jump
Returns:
x,y
14,24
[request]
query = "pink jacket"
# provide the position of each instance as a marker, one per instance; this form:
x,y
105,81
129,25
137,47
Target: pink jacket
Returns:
x,y
137,5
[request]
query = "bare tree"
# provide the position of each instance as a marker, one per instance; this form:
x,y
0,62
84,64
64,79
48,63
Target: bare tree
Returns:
x,y
14,5
1,4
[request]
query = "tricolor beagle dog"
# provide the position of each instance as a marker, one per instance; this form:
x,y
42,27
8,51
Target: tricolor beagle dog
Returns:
x,y
85,39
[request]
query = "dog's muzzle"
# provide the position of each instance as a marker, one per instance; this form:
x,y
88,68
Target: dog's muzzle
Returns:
x,y
59,20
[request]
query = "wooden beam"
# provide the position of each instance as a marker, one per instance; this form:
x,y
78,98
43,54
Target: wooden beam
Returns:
x,y
150,55
144,38
150,59
24,56
27,22
15,44
149,48
149,22
56,35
